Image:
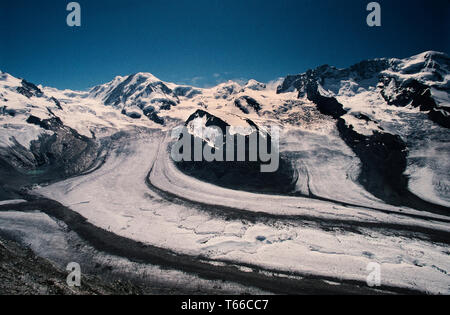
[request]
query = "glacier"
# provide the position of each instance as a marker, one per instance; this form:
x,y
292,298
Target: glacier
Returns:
x,y
367,147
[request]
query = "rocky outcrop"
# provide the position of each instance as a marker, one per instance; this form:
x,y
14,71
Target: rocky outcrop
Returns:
x,y
151,113
383,158
60,153
359,72
29,90
186,91
242,175
401,82
383,155
415,93
247,103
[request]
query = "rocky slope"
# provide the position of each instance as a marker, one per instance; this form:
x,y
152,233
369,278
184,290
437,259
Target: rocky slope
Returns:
x,y
24,273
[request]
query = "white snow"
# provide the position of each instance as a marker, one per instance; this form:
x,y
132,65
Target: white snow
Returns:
x,y
116,198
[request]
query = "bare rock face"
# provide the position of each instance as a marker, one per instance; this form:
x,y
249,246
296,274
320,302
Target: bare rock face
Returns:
x,y
243,175
400,82
246,104
29,90
186,91
60,154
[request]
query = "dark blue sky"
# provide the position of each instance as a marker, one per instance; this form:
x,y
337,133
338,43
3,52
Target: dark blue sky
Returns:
x,y
202,42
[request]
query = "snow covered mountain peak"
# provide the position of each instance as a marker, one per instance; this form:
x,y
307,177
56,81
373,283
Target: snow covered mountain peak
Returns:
x,y
371,86
136,94
429,57
378,89
132,80
255,85
8,80
431,67
366,147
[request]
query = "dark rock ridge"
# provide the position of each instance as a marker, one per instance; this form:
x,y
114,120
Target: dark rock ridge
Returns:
x,y
60,154
5,111
244,103
151,113
29,90
359,72
245,175
186,91
418,95
57,103
211,120
326,105
383,158
131,113
394,89
383,155
165,104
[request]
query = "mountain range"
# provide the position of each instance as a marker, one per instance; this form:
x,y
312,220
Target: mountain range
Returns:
x,y
364,160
